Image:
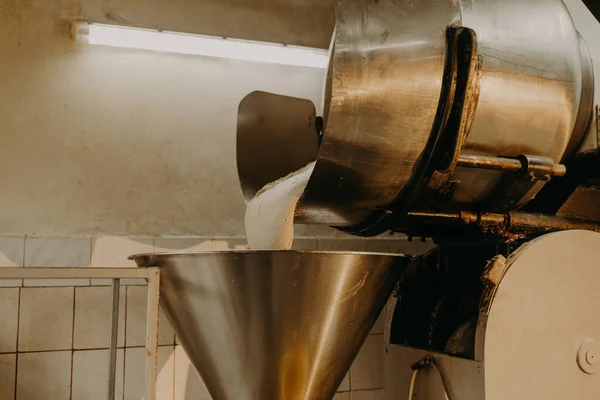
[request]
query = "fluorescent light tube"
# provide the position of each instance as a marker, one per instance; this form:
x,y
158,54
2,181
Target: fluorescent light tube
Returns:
x,y
212,46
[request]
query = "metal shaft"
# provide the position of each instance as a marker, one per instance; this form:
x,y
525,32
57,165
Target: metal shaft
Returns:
x,y
502,164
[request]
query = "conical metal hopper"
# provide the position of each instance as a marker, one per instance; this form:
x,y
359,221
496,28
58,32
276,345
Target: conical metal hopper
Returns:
x,y
273,325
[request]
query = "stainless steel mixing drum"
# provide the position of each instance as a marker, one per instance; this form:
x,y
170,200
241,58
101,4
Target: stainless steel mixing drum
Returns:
x,y
532,95
273,325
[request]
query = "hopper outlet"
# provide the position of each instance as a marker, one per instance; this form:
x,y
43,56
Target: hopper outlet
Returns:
x,y
273,325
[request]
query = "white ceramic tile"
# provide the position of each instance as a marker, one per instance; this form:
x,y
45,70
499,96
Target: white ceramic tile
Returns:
x,y
379,326
46,321
8,370
343,244
400,245
182,244
90,375
166,373
44,376
345,385
9,317
112,251
188,384
305,244
93,306
12,251
134,374
342,396
367,369
135,334
135,364
230,244
57,252
367,395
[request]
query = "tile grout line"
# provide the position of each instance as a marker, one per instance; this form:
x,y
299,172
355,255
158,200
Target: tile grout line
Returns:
x,y
91,250
78,349
174,368
73,343
17,344
24,249
22,284
124,343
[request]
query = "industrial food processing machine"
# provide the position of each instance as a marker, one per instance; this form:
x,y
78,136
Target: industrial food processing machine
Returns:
x,y
471,122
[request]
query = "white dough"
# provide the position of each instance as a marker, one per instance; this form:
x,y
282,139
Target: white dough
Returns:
x,y
270,213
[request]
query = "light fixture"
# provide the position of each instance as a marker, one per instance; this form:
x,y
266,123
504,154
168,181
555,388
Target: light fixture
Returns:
x,y
212,46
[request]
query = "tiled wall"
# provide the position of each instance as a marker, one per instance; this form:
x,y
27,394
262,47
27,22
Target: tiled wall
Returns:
x,y
54,335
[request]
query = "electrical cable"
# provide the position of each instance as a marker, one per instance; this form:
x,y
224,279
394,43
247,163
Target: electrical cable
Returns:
x,y
423,364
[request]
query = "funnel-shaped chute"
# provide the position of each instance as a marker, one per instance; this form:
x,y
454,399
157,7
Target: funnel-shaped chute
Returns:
x,y
273,325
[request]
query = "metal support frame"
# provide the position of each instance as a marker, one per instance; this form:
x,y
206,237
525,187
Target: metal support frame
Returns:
x,y
511,226
152,277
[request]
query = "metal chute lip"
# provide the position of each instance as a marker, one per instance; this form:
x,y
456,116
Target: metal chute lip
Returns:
x,y
245,251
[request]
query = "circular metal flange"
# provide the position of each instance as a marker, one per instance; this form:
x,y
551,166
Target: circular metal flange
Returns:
x,y
537,335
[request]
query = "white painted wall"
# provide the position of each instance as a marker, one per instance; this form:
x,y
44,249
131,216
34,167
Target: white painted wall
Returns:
x,y
107,141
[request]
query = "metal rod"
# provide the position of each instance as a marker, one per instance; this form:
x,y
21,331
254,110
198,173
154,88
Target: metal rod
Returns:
x,y
514,221
493,163
114,332
152,334
74,273
77,273
502,164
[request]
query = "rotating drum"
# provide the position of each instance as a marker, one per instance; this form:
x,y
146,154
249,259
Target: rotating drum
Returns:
x,y
534,97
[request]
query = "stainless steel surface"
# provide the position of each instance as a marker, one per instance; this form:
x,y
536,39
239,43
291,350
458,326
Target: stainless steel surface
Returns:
x,y
273,324
114,333
586,104
385,81
531,86
385,85
275,136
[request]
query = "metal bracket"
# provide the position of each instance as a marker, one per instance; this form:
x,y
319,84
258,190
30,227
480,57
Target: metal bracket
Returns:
x,y
456,108
518,189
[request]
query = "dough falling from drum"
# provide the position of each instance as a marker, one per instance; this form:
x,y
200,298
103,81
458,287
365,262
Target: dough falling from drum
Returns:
x,y
270,213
